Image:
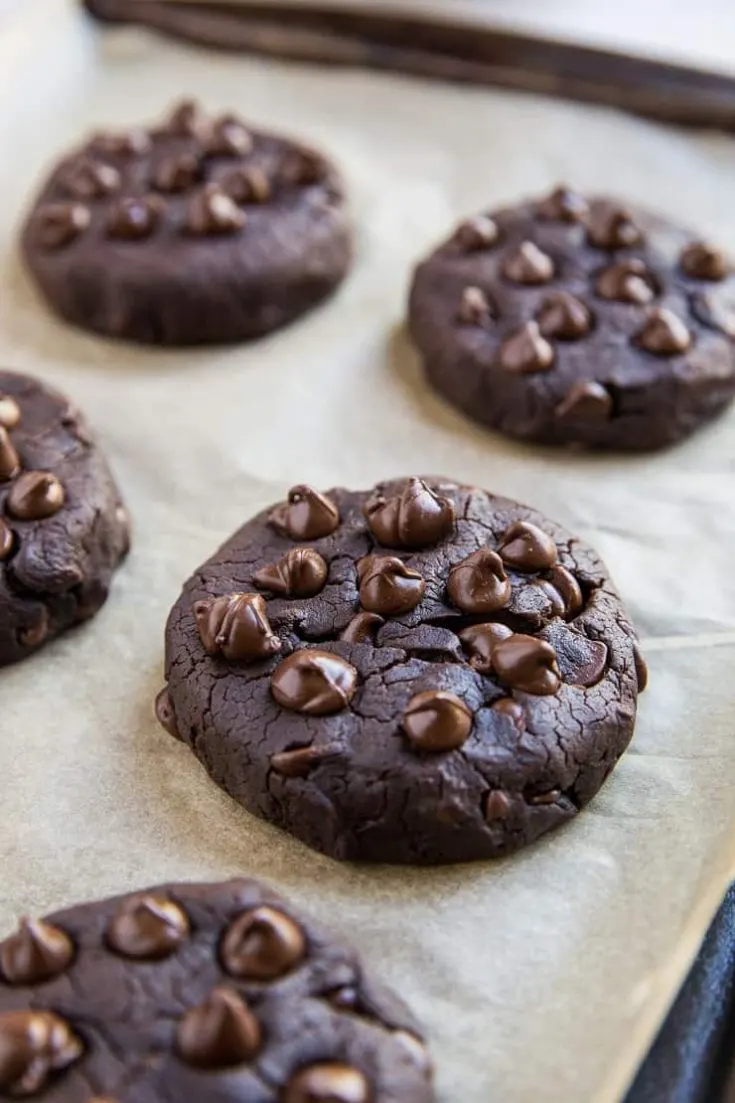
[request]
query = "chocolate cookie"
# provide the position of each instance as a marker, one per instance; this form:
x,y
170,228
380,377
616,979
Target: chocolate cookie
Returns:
x,y
199,232
63,529
199,992
420,673
568,321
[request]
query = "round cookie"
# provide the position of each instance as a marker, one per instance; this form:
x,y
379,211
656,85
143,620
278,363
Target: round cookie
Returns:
x,y
201,231
220,993
568,321
420,673
63,528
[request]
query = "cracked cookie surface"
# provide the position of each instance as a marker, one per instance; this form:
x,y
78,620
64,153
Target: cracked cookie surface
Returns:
x,y
419,673
199,231
578,322
63,528
214,992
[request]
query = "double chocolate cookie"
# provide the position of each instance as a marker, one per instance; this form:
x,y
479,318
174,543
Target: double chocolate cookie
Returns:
x,y
63,529
214,993
198,232
420,673
568,321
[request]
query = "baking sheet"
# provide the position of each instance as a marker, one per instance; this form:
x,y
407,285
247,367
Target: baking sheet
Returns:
x,y
540,977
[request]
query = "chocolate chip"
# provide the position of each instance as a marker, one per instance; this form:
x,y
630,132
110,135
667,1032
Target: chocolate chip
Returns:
x,y
362,628
563,205
526,351
130,143
497,805
9,412
549,796
211,211
479,641
586,661
641,667
479,583
585,401
220,1033
133,219
527,664
315,682
528,265
186,120
89,179
303,168
59,224
248,185
564,317
178,174
527,548
566,585
415,517
327,1083
262,944
629,281
513,709
36,633
35,496
147,927
436,721
308,515
300,573
300,761
388,586
664,334
611,227
229,138
6,539
9,459
415,1049
165,714
477,233
33,1045
474,307
344,998
37,952
703,262
236,626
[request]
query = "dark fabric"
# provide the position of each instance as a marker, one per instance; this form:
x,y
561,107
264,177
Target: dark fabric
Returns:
x,y
693,1058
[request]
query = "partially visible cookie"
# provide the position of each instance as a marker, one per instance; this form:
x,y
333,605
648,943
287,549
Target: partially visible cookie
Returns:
x,y
200,231
219,993
420,673
578,322
63,527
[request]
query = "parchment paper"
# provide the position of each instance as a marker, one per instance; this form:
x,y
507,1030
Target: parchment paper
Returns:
x,y
542,977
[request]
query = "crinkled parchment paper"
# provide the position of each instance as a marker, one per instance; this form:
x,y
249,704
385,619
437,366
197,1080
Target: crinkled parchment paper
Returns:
x,y
541,977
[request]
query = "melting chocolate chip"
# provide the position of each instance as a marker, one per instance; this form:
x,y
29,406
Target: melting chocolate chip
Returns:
x,y
564,317
129,143
229,138
307,515
248,185
220,1033
314,682
6,540
302,572
585,660
178,174
59,224
527,664
629,281
186,120
300,761
388,586
526,351
641,667
513,709
497,805
37,952
563,205
133,219
474,307
528,265
436,721
9,412
703,262
477,233
327,1082
9,459
585,401
568,589
236,626
262,944
362,628
479,583
414,517
664,334
165,714
89,179
479,641
33,1045
211,211
35,496
147,927
527,548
